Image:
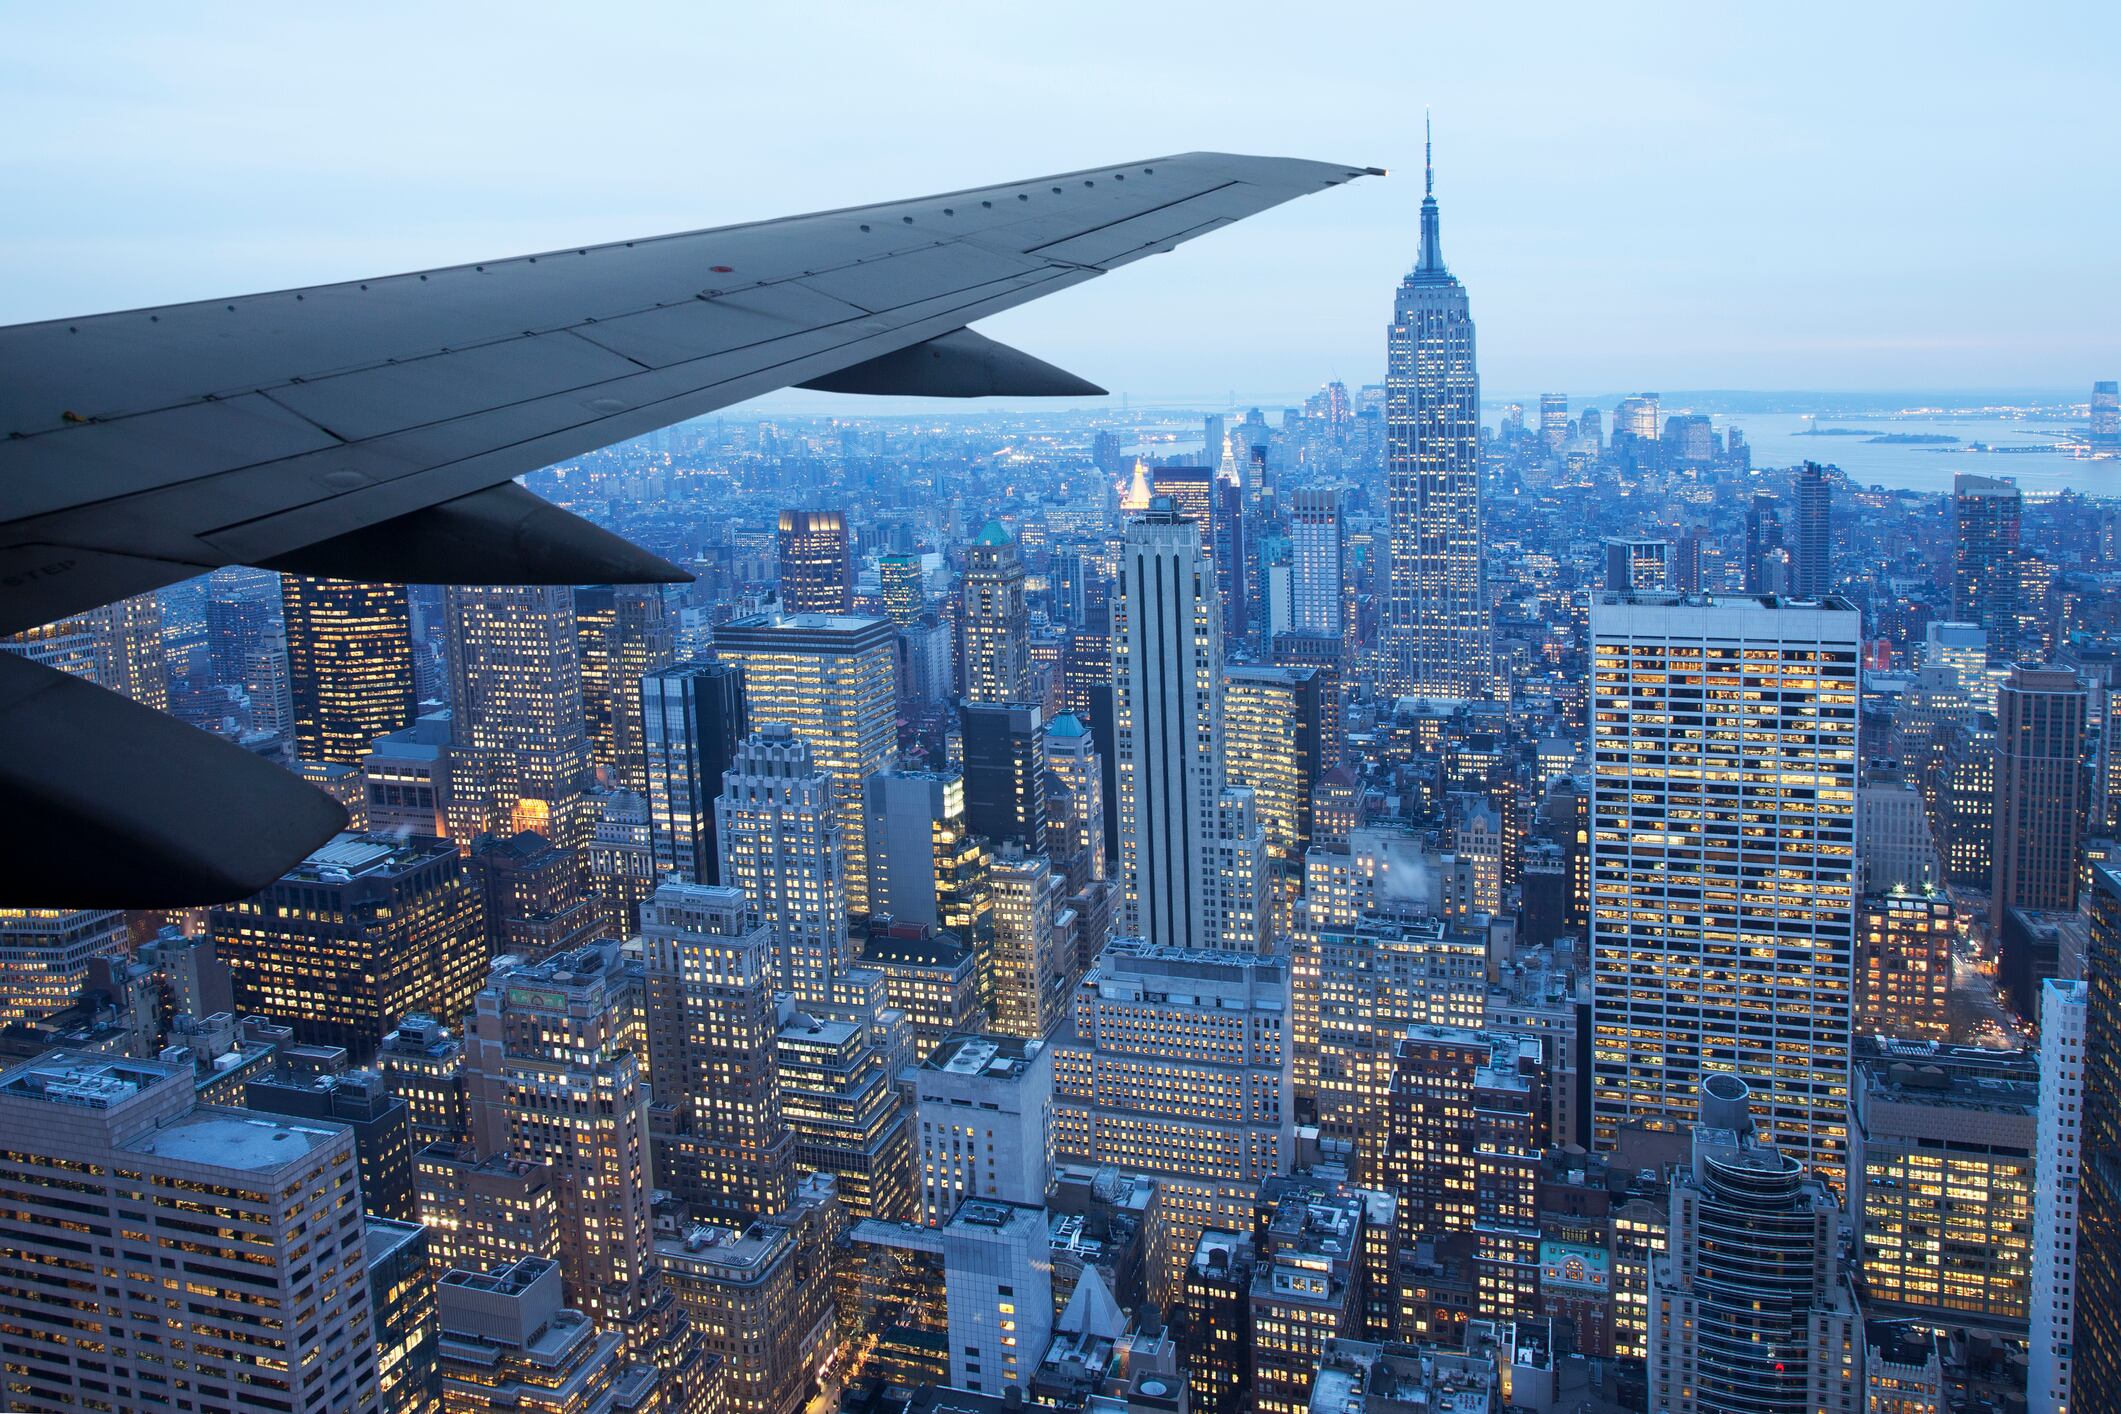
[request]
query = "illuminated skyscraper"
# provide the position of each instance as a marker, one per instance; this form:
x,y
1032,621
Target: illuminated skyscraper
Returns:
x,y
1763,538
997,625
1274,745
2060,1145
1986,511
555,1076
1077,836
2096,1352
349,665
831,680
721,1144
624,632
520,757
1632,563
900,581
1191,855
360,935
44,956
817,563
1723,828
779,830
1177,1066
1437,614
2040,715
1034,947
2105,426
1317,592
692,717
279,1316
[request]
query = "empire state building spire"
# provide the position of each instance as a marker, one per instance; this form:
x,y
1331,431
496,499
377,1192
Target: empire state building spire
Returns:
x,y
1431,262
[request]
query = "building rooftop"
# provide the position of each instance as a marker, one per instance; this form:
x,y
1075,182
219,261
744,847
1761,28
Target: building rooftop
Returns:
x,y
233,1139
992,1057
97,1082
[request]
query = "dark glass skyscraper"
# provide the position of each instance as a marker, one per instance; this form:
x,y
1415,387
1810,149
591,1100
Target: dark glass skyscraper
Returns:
x,y
1985,560
692,717
1814,570
1436,623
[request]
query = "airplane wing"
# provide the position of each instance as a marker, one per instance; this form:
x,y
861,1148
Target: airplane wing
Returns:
x,y
374,428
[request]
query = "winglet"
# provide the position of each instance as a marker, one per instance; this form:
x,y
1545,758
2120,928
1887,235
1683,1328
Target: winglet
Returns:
x,y
502,535
959,364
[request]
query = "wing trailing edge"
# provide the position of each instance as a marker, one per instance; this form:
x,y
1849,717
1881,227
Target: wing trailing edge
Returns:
x,y
959,364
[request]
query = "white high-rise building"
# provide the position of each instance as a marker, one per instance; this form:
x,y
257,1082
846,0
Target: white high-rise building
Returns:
x,y
1190,871
1315,557
778,829
984,1122
1436,622
2055,1235
1723,861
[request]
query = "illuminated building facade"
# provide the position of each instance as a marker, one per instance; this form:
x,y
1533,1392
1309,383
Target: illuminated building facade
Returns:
x,y
903,587
1034,947
45,952
1941,1182
722,1145
1751,1305
692,717
779,830
360,935
1317,593
555,1076
841,1101
276,1304
520,759
1986,513
816,563
349,665
1274,725
623,632
831,681
1904,964
508,1343
1437,614
1723,861
482,1214
1177,1066
2059,1143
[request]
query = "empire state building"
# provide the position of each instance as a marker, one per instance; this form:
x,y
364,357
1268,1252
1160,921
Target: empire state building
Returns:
x,y
1436,639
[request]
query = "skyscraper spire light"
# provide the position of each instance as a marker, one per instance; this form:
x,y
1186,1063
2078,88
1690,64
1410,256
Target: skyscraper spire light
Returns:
x,y
1431,262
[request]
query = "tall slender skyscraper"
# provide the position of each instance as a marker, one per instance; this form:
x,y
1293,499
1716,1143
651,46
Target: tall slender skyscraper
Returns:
x,y
1985,563
349,665
1814,568
817,564
1317,593
997,625
2040,714
692,717
1437,616
1723,863
1181,884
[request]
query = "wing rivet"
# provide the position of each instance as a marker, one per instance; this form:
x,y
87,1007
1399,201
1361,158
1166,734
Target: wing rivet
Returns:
x,y
865,228
71,416
232,309
480,268
157,319
949,211
1021,197
907,219
1056,191
1119,176
988,204
1089,183
1148,171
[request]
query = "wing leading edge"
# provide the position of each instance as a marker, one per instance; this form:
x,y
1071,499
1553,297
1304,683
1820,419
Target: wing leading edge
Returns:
x,y
363,428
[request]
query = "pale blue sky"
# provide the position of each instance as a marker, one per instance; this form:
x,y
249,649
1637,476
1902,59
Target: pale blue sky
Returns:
x,y
1788,196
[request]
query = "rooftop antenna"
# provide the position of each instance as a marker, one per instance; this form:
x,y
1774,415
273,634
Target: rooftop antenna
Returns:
x,y
1428,156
